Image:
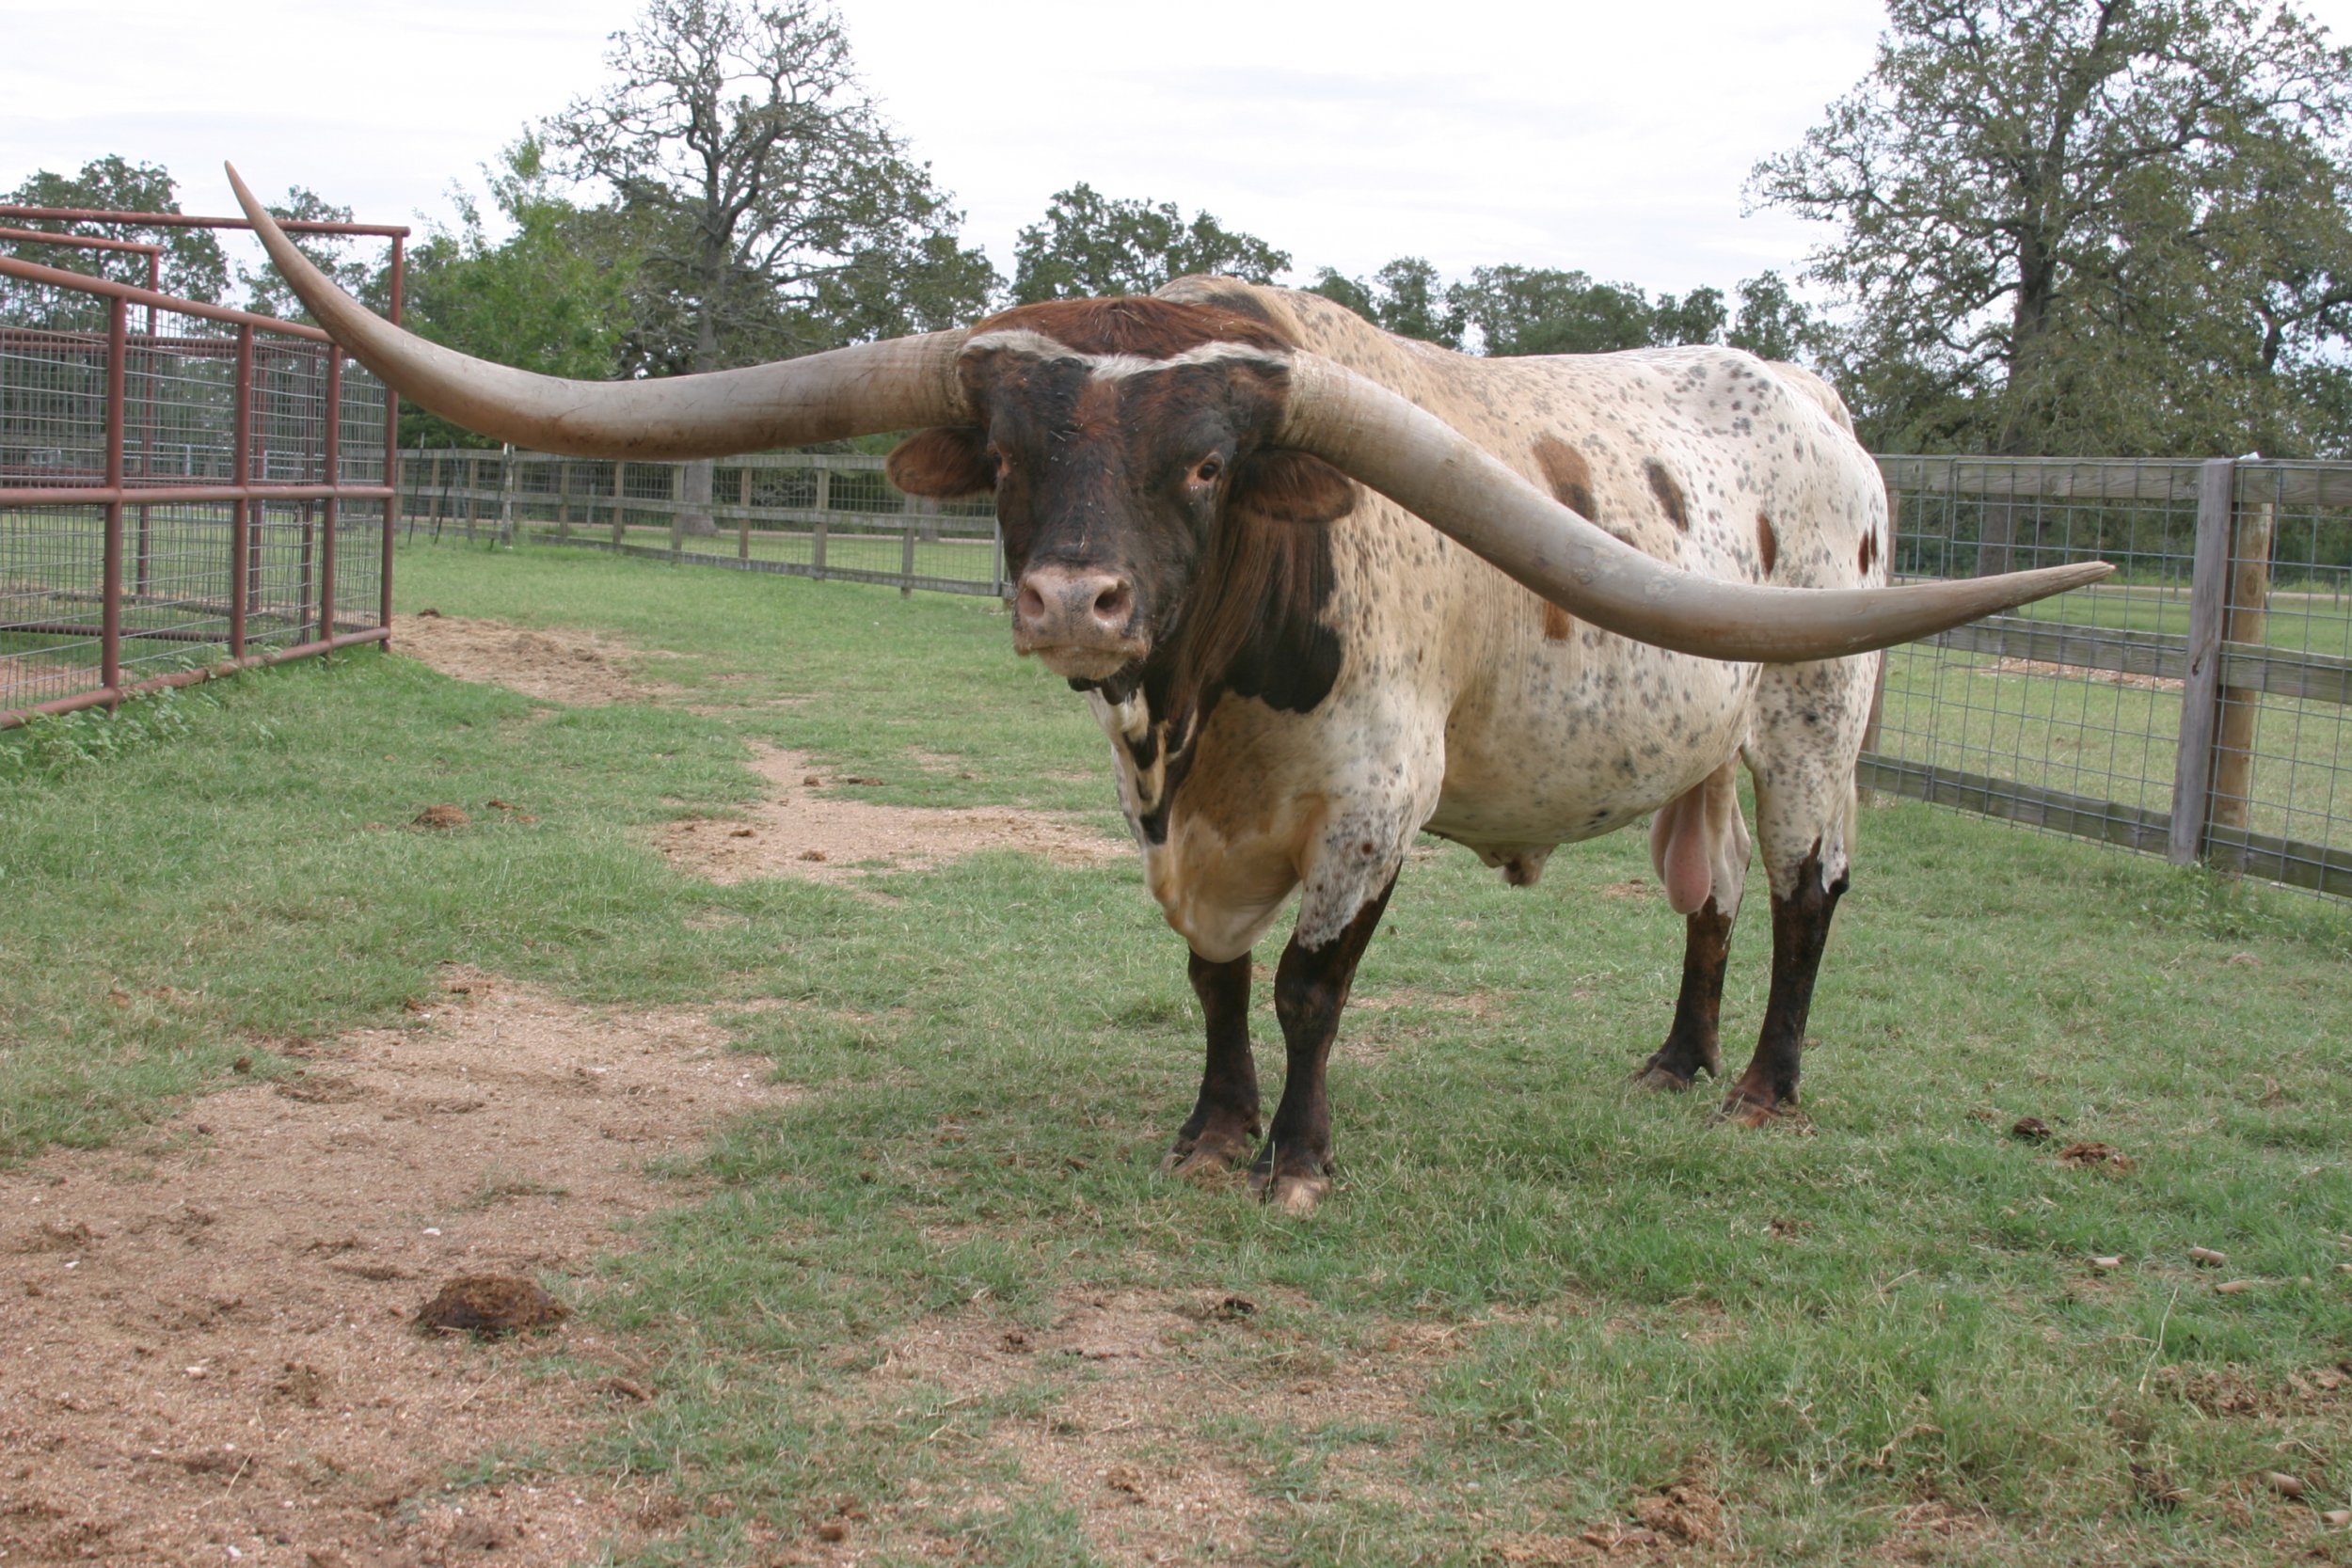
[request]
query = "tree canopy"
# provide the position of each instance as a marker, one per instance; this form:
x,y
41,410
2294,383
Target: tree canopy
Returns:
x,y
774,210
554,296
193,267
2097,225
1090,245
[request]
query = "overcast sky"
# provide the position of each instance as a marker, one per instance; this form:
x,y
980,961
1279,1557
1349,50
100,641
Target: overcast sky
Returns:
x,y
1615,138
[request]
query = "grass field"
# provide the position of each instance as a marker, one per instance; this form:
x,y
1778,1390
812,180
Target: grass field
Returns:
x,y
1539,1306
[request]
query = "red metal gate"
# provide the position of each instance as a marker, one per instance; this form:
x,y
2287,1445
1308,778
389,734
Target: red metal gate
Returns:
x,y
185,489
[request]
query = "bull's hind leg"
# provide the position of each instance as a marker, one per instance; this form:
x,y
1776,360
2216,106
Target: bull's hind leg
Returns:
x,y
1700,848
1223,1127
1802,751
1293,1170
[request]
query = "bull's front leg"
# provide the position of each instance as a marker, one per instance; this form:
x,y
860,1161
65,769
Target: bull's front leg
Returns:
x,y
1294,1169
1800,931
1223,1127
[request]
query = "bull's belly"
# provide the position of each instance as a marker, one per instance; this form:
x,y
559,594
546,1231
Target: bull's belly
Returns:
x,y
1559,775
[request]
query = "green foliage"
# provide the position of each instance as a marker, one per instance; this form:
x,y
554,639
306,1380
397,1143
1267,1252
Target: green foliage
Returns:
x,y
774,210
343,259
193,267
1545,310
2117,227
554,296
1406,296
1772,324
1090,245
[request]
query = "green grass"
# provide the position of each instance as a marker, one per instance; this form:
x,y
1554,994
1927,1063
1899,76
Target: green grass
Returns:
x,y
1880,1340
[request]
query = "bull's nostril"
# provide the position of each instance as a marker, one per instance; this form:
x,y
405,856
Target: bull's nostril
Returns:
x,y
1030,606
1112,604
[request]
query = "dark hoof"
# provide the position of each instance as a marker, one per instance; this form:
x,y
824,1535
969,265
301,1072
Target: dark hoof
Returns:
x,y
1654,1075
1210,1157
1745,1108
1296,1194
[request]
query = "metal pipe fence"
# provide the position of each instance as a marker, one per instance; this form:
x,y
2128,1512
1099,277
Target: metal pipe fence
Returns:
x,y
203,491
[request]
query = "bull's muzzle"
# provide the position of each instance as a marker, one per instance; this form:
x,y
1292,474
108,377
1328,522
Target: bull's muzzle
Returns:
x,y
1078,620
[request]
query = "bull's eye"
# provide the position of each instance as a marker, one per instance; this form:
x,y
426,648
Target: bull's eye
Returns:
x,y
1208,470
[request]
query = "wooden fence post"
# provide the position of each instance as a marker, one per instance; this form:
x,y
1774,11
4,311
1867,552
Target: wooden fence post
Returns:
x,y
677,542
508,464
620,517
744,500
817,540
2200,692
564,502
473,493
2244,619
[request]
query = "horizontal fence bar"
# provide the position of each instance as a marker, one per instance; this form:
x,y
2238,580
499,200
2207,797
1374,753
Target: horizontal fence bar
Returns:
x,y
2082,815
188,494
2285,482
82,282
796,568
100,696
184,220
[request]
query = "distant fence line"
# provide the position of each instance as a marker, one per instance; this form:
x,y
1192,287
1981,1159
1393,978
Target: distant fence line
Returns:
x,y
827,515
2194,705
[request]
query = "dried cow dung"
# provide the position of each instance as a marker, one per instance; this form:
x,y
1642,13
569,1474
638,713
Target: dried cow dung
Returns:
x,y
441,816
490,1304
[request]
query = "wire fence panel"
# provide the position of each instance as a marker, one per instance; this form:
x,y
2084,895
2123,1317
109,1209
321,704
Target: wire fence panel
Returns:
x,y
2191,706
183,489
829,515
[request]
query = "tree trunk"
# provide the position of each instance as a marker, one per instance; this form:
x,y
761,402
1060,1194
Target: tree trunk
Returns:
x,y
693,518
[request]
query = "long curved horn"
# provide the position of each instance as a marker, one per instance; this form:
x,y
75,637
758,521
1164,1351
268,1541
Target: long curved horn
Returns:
x,y
905,384
1436,473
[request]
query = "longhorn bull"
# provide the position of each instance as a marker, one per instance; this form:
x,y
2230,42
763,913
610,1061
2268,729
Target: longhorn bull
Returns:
x,y
1290,559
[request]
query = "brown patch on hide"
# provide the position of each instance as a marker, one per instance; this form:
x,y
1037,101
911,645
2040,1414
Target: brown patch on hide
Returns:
x,y
1669,493
1559,626
1767,543
1870,551
1138,325
1567,473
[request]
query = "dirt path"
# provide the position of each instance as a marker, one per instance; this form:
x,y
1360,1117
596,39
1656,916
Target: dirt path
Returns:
x,y
580,669
206,1353
813,825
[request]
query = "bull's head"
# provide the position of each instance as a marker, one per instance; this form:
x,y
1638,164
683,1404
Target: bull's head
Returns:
x,y
1125,441
1116,436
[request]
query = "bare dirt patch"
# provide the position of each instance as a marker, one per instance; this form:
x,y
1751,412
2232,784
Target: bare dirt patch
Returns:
x,y
1132,1444
206,1345
561,664
2136,681
824,832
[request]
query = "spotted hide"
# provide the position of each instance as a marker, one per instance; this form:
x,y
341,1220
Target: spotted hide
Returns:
x,y
1296,675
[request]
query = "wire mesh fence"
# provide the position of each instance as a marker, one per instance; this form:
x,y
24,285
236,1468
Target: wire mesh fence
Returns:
x,y
815,515
2192,706
183,488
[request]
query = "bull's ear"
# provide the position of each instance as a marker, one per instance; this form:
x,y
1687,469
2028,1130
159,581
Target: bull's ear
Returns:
x,y
944,463
1286,486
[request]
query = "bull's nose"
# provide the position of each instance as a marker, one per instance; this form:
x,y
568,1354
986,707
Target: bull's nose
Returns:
x,y
1081,605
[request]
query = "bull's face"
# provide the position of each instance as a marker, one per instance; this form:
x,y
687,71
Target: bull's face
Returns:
x,y
1126,442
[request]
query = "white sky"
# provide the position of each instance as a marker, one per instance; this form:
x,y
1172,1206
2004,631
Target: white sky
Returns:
x,y
1613,137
